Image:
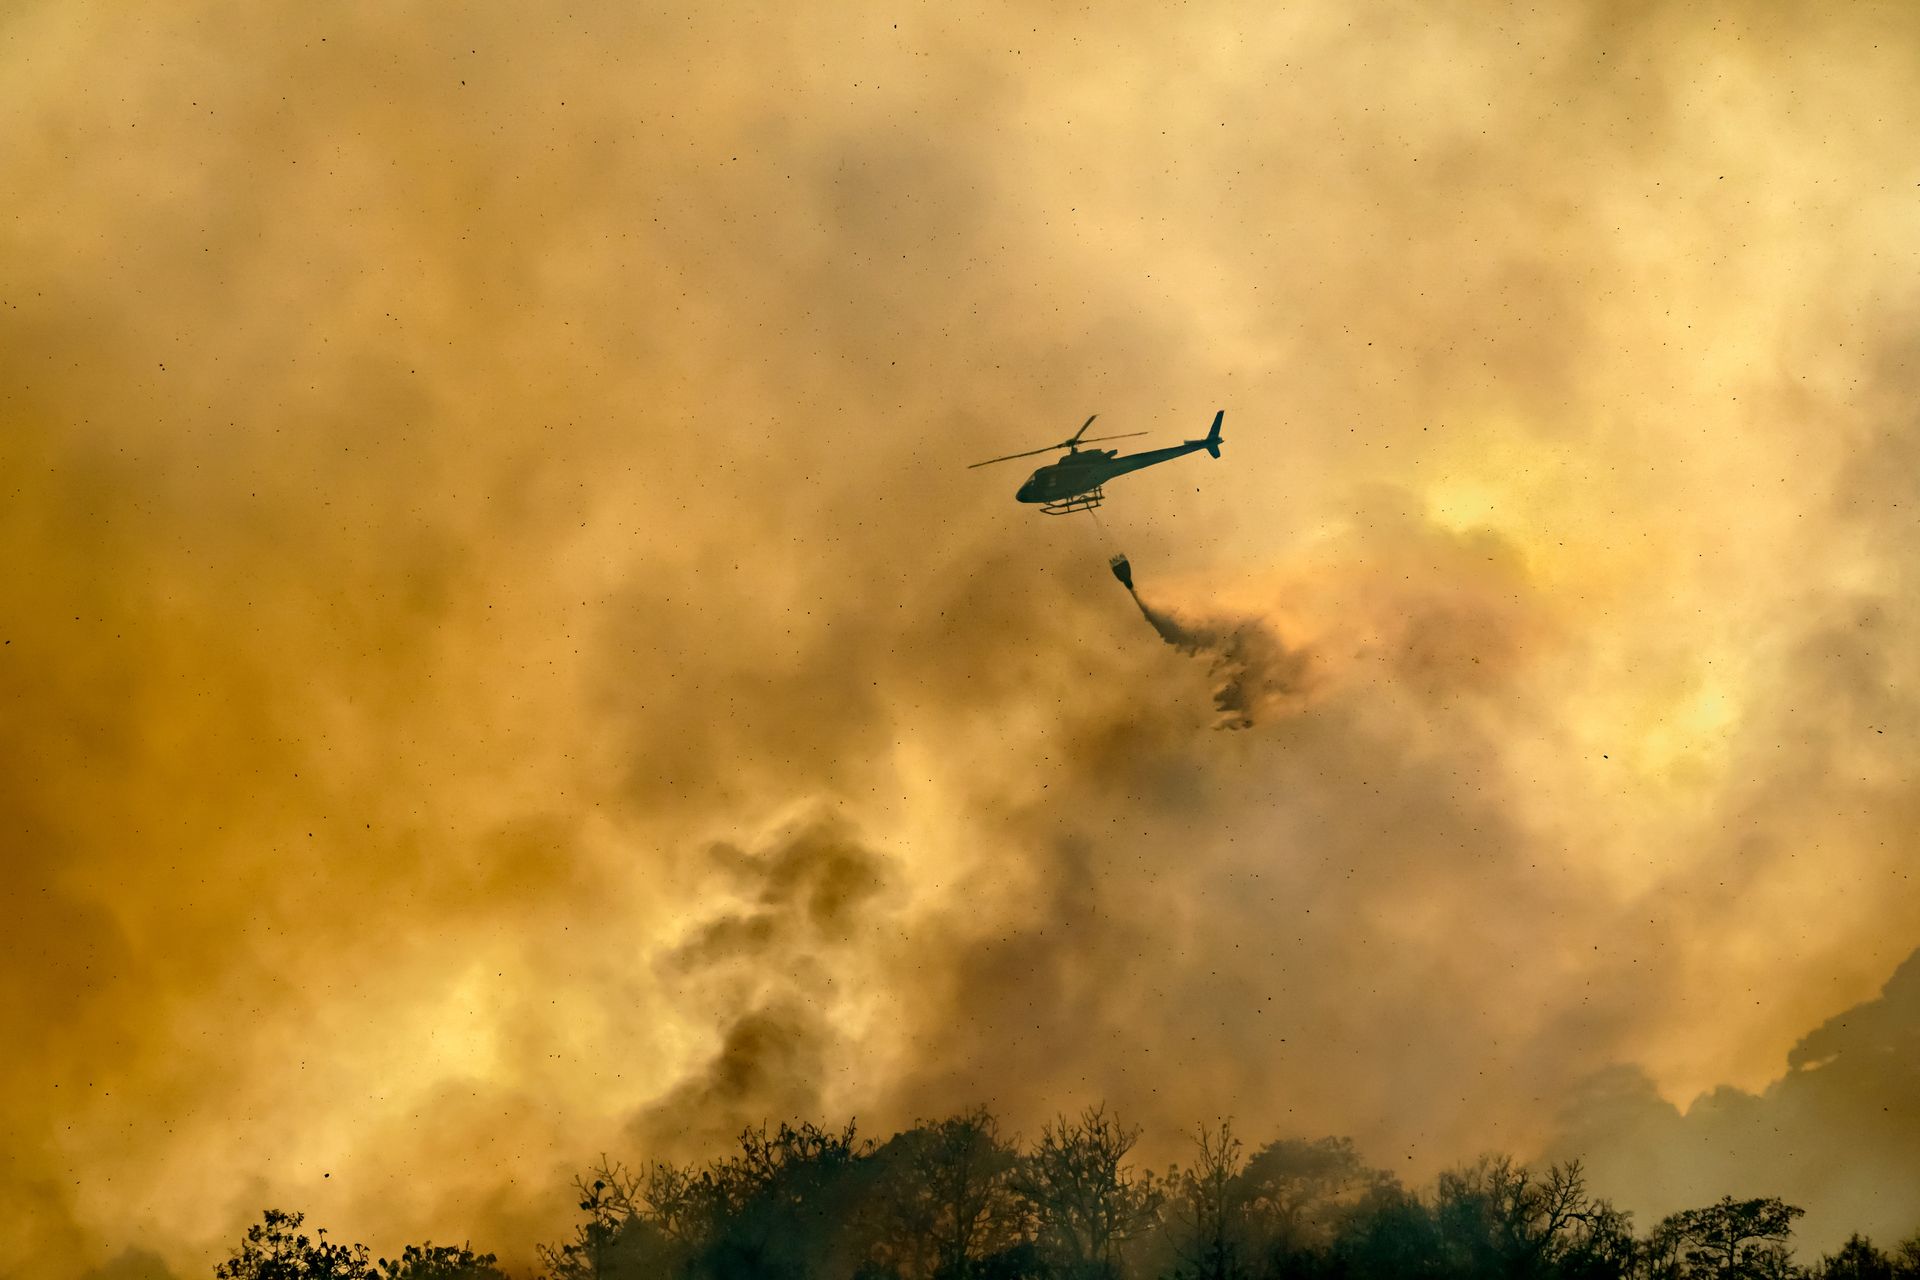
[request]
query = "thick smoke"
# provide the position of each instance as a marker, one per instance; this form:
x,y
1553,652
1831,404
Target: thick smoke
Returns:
x,y
764,973
503,656
1852,1075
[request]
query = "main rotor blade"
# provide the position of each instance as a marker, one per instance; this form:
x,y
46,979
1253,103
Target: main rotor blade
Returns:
x,y
1064,444
1009,456
1083,429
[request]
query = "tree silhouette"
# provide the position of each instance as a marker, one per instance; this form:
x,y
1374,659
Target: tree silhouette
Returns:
x,y
1298,1182
951,1202
440,1262
609,1200
1735,1239
1085,1198
1857,1259
276,1249
955,1199
1602,1246
1296,1195
790,1205
1497,1218
1207,1208
1387,1235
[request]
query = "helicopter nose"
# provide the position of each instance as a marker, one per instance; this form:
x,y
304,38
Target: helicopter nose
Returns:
x,y
1028,492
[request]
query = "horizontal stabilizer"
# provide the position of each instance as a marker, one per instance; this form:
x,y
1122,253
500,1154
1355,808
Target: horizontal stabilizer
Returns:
x,y
1212,442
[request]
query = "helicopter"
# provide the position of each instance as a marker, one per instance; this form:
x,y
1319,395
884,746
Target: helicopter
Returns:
x,y
1073,483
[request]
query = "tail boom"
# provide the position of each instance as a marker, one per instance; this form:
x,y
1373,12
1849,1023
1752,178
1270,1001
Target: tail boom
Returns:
x,y
1212,442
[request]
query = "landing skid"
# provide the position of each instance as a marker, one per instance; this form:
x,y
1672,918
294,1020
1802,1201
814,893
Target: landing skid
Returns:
x,y
1078,502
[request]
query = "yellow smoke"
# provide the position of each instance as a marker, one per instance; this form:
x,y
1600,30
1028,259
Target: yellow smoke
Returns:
x,y
503,657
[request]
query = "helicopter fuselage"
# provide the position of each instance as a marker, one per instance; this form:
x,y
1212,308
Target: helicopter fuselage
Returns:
x,y
1085,470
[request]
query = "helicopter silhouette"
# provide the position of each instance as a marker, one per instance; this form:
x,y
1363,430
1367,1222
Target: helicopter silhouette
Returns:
x,y
1073,483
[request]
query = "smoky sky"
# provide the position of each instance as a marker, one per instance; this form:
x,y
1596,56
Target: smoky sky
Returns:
x,y
504,656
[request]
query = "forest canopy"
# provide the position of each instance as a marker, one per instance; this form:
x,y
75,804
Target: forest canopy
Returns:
x,y
962,1199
